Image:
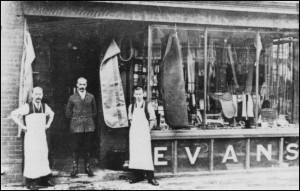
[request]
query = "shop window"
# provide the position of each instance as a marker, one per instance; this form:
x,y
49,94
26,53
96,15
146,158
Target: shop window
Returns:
x,y
231,79
252,78
190,54
237,62
280,63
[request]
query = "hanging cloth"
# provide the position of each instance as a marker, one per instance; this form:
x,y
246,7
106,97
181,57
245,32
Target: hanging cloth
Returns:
x,y
250,68
256,99
212,58
173,85
191,70
26,78
236,85
113,100
244,100
235,103
191,75
226,100
248,106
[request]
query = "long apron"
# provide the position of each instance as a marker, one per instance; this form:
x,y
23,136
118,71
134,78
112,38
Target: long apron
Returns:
x,y
140,155
35,147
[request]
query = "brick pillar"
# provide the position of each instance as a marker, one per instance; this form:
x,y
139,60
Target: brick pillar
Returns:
x,y
12,23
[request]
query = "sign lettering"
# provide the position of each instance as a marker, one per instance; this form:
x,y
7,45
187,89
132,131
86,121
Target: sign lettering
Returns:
x,y
267,153
157,156
290,150
230,150
192,158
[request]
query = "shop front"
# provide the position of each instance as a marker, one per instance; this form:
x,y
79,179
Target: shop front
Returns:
x,y
241,99
224,83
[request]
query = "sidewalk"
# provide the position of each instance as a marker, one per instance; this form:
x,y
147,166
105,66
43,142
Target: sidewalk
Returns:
x,y
269,179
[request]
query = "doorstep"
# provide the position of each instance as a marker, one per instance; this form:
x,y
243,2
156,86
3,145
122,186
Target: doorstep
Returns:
x,y
64,181
101,175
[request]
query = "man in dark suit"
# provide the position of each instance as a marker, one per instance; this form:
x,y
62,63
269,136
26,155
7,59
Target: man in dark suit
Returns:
x,y
81,109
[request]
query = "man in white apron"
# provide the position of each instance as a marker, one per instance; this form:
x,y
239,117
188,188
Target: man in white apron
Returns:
x,y
36,163
140,154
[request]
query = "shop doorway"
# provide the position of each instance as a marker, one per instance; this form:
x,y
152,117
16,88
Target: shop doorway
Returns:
x,y
77,59
67,49
62,56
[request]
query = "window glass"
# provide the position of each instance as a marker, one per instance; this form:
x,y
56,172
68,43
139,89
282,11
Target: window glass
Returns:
x,y
190,54
237,61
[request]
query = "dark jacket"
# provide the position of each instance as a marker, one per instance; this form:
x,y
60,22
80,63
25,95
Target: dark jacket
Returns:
x,y
81,113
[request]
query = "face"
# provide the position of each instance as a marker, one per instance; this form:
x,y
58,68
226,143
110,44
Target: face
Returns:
x,y
37,95
81,84
138,95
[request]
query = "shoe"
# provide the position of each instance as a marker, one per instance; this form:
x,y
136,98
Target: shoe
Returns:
x,y
32,187
89,172
74,173
75,165
48,184
153,182
135,180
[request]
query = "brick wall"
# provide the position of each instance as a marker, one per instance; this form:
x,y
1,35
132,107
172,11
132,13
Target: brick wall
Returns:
x,y
11,54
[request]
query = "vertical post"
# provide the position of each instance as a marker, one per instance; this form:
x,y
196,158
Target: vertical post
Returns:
x,y
277,76
149,62
211,157
174,157
295,99
205,75
281,151
248,154
257,76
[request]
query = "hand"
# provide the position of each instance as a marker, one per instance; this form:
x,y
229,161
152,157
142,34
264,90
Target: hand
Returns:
x,y
152,124
47,126
24,128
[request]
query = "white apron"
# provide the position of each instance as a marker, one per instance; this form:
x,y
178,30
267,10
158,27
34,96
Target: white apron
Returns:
x,y
140,155
35,147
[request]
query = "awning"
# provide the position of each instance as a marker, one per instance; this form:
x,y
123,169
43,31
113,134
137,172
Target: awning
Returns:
x,y
157,14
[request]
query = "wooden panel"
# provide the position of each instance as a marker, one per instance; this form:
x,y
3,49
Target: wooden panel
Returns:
x,y
264,152
162,15
291,151
223,133
229,154
193,155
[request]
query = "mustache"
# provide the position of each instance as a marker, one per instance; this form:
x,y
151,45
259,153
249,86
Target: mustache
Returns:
x,y
38,99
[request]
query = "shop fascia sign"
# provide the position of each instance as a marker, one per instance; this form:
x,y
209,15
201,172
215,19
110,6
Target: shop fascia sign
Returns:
x,y
229,155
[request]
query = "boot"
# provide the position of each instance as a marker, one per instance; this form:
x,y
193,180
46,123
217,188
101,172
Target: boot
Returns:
x,y
75,164
45,181
31,184
151,180
138,176
87,168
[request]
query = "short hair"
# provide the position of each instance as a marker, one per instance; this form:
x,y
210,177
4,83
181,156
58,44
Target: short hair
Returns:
x,y
138,88
37,88
81,78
